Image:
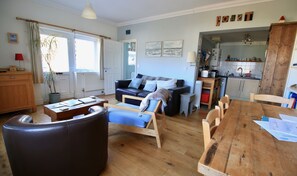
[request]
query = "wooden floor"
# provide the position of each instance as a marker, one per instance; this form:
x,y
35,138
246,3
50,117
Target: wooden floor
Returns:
x,y
132,154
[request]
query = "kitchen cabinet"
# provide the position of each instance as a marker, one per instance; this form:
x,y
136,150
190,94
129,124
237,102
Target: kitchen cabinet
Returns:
x,y
279,53
239,88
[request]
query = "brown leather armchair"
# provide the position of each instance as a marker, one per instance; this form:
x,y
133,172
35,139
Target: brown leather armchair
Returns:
x,y
71,147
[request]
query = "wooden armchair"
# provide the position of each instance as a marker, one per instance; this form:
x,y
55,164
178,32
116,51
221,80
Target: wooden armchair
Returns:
x,y
272,99
210,124
129,118
224,103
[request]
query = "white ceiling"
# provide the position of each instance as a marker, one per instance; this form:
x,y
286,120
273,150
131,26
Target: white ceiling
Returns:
x,y
123,12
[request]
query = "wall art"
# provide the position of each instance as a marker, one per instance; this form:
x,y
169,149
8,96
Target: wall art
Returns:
x,y
225,19
12,37
172,48
248,16
239,17
232,18
218,22
153,49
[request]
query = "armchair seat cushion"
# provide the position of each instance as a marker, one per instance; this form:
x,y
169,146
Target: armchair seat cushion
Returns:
x,y
129,118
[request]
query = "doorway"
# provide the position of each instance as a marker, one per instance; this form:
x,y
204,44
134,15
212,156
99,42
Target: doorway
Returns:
x,y
129,59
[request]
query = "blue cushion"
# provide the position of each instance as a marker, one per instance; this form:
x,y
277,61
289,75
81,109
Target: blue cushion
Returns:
x,y
135,83
129,118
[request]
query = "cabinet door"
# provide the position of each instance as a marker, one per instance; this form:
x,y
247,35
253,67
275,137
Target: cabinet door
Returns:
x,y
233,88
247,87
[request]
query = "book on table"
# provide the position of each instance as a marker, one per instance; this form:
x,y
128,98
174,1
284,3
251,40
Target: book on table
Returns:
x,y
87,100
71,102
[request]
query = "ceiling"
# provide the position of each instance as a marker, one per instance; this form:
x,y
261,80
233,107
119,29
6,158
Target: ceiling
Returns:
x,y
123,12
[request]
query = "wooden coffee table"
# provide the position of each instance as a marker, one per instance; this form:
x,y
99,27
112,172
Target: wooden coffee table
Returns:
x,y
56,113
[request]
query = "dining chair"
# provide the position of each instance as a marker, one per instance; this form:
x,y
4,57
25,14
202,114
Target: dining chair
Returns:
x,y
271,98
210,124
224,103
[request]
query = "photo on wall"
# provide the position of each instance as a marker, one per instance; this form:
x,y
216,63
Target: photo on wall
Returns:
x,y
172,48
153,49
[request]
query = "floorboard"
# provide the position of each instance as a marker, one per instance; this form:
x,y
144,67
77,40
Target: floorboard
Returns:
x,y
132,154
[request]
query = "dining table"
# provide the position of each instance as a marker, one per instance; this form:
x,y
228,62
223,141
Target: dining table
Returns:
x,y
240,146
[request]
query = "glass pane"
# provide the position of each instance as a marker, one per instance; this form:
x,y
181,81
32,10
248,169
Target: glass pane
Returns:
x,y
59,60
85,53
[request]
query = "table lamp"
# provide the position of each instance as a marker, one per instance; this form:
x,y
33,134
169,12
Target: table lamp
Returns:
x,y
19,57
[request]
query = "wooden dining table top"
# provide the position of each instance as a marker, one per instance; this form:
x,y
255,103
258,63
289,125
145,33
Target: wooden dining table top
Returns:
x,y
241,147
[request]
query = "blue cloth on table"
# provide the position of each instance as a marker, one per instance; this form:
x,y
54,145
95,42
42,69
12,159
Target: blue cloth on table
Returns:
x,y
130,118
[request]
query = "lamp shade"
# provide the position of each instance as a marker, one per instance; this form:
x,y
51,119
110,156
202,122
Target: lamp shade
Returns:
x,y
89,12
191,56
19,57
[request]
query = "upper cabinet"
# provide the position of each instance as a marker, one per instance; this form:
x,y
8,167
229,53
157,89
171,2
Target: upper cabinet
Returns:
x,y
279,53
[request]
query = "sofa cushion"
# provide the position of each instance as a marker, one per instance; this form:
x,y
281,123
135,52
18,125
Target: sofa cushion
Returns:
x,y
170,84
150,85
143,93
145,78
129,91
135,83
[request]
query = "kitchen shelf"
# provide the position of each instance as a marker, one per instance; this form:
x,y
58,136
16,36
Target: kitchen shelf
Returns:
x,y
243,61
213,85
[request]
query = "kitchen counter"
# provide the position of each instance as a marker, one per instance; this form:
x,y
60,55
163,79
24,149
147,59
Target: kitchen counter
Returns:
x,y
239,77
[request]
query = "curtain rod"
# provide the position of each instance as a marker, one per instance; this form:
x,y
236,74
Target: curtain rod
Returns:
x,y
73,30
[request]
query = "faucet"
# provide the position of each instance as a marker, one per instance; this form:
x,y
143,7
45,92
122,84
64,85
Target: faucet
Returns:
x,y
239,68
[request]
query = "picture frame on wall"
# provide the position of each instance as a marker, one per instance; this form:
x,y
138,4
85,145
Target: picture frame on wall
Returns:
x,y
12,37
153,49
172,48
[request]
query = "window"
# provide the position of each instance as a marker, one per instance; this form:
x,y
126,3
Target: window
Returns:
x,y
59,60
86,55
74,52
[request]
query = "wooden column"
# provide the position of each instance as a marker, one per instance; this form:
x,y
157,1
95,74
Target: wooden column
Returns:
x,y
279,53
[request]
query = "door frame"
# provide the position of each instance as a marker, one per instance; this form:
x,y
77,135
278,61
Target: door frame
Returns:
x,y
136,63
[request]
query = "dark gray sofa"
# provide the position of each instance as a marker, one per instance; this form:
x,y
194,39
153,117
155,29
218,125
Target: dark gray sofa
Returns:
x,y
173,105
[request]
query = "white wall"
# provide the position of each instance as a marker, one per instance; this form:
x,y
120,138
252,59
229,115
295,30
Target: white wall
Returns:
x,y
32,9
188,27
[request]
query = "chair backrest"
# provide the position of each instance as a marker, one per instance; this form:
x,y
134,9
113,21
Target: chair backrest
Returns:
x,y
209,124
71,147
272,99
224,103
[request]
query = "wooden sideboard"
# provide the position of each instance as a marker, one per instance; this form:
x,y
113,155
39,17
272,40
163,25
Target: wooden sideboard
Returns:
x,y
16,92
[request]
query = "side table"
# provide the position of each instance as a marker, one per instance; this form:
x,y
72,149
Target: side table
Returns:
x,y
186,103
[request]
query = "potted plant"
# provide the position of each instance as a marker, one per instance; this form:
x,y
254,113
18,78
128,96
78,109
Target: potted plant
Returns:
x,y
49,46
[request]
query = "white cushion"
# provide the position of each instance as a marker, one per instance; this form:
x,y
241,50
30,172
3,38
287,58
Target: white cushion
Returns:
x,y
170,84
150,85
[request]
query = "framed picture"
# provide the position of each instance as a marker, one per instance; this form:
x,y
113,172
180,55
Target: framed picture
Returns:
x,y
232,18
239,17
248,16
153,49
218,22
12,37
225,19
172,48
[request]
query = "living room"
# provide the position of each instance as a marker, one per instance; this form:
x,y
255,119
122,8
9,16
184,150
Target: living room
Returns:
x,y
185,26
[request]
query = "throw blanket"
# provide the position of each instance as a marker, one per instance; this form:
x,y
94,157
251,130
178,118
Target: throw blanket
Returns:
x,y
160,94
